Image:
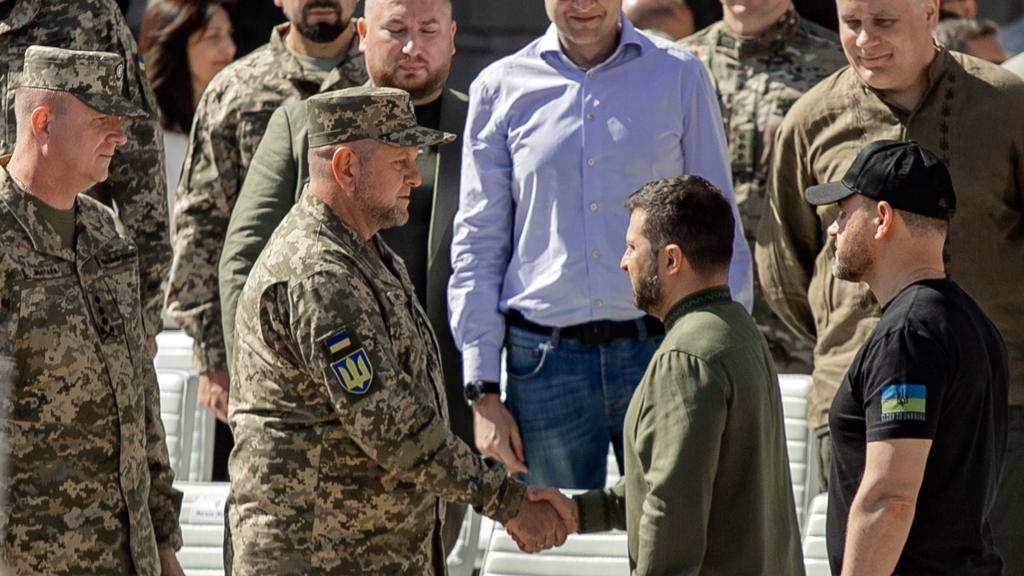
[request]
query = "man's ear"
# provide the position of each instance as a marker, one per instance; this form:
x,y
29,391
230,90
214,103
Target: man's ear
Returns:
x,y
40,120
885,219
361,30
345,167
672,260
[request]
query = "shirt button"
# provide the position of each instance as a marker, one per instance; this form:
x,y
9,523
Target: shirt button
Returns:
x,y
590,75
590,116
590,162
595,254
598,302
593,206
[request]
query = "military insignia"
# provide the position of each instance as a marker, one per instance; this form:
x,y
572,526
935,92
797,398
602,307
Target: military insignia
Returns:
x,y
142,63
903,402
349,362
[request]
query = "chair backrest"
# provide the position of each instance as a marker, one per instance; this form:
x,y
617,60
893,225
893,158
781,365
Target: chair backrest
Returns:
x,y
175,355
794,389
177,399
202,528
174,351
602,554
815,550
463,556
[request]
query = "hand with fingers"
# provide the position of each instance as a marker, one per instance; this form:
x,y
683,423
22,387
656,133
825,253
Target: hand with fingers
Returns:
x,y
497,434
213,393
537,527
563,505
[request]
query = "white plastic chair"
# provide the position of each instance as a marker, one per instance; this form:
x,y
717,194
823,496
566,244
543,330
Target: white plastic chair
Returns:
x,y
202,528
176,399
602,554
794,389
815,550
174,354
463,557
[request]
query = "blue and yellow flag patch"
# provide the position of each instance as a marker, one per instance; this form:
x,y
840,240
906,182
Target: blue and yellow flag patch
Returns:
x,y
349,362
904,402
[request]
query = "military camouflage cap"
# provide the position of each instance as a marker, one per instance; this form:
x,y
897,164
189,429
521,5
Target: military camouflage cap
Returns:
x,y
95,78
383,114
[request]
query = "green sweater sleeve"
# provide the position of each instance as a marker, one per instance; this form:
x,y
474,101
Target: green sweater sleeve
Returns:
x,y
267,195
602,510
678,440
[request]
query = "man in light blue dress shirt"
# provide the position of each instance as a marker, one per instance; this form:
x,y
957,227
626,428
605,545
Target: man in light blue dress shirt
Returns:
x,y
558,135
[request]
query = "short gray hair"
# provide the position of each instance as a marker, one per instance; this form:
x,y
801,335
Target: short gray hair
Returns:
x,y
954,33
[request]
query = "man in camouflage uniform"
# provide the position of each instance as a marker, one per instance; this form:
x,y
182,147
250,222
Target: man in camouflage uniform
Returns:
x,y
344,457
316,51
89,485
137,186
761,59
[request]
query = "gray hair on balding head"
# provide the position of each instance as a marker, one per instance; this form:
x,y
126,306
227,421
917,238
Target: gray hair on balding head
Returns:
x,y
28,99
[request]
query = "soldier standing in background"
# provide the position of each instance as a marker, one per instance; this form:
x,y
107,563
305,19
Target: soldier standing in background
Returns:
x,y
316,51
89,487
137,187
762,57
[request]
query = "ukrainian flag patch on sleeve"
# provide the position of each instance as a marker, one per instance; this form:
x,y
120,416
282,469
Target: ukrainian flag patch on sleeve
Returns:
x,y
903,402
349,362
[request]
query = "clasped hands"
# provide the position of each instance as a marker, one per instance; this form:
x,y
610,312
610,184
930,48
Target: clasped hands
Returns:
x,y
546,517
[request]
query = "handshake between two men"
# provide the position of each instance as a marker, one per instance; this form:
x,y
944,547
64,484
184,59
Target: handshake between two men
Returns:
x,y
545,519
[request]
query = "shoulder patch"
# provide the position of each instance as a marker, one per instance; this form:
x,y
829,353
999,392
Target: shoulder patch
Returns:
x,y
903,402
349,362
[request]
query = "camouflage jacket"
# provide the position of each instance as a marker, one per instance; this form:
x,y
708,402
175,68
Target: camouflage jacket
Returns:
x,y
89,485
757,80
137,185
229,123
343,455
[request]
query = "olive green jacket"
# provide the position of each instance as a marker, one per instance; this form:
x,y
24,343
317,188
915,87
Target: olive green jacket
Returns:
x,y
972,118
707,487
277,174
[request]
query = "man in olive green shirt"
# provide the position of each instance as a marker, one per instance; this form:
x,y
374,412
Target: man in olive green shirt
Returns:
x,y
707,487
901,86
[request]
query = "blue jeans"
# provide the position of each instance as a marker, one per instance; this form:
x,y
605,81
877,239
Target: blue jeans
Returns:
x,y
570,400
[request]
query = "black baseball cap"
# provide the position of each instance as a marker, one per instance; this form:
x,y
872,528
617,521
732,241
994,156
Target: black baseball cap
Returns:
x,y
901,173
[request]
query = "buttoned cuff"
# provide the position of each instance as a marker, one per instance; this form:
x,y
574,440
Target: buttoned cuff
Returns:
x,y
595,511
481,362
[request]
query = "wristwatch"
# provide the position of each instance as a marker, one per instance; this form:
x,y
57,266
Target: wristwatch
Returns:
x,y
476,389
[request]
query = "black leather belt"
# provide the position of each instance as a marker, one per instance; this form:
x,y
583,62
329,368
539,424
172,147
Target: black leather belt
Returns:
x,y
596,333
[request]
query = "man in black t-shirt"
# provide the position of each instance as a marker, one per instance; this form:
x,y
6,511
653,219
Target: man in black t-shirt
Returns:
x,y
919,423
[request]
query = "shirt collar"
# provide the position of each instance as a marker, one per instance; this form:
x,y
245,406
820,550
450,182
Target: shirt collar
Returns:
x,y
43,237
696,301
628,36
778,35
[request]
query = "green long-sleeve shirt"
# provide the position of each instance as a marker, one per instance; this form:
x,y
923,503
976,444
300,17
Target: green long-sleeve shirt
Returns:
x,y
707,487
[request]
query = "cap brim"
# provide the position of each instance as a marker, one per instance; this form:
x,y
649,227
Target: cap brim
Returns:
x,y
825,194
112,105
418,136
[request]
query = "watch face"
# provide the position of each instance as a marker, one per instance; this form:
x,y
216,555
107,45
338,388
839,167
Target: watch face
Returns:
x,y
472,392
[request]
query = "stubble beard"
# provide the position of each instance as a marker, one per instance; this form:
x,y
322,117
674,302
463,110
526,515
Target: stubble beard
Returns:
x,y
647,291
851,263
433,83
